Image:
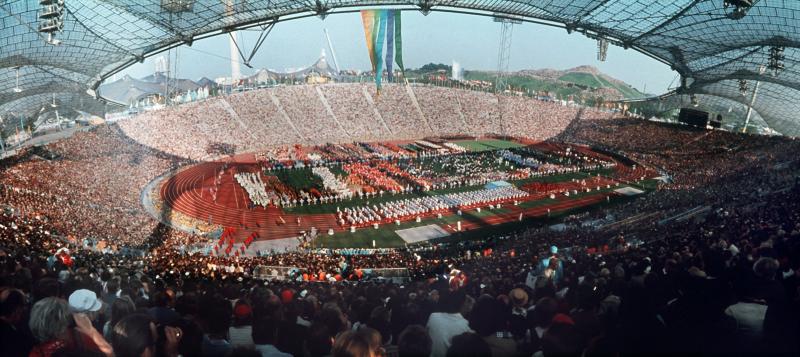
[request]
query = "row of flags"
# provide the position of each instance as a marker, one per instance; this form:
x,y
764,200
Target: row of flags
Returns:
x,y
383,26
227,236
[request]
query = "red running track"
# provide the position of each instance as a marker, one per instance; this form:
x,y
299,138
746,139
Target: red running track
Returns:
x,y
189,192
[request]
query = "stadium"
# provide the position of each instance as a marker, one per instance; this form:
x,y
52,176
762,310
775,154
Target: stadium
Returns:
x,y
386,210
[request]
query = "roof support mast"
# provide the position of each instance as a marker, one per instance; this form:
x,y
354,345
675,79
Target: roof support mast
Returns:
x,y
761,71
333,52
503,57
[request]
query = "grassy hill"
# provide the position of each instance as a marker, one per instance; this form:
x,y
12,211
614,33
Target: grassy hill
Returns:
x,y
583,81
598,81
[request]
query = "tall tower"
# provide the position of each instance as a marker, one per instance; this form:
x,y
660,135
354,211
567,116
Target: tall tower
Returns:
x,y
236,71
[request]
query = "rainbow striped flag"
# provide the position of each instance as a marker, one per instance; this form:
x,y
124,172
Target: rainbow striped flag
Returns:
x,y
381,27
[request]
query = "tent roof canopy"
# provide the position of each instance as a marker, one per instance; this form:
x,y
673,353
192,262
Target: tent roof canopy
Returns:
x,y
698,38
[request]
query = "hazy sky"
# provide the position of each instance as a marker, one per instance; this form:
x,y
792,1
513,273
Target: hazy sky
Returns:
x,y
439,37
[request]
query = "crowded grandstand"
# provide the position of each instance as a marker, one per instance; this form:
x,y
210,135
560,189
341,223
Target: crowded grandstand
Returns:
x,y
334,217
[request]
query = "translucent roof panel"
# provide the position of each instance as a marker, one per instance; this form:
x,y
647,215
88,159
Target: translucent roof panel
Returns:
x,y
701,39
733,111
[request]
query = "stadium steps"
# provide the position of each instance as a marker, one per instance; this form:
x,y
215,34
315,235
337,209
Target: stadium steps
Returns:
x,y
419,109
330,112
285,116
461,111
227,106
375,109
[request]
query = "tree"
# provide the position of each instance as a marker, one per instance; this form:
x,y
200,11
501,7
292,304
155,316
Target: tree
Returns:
x,y
433,67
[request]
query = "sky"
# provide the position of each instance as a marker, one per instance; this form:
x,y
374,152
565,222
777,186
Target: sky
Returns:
x,y
472,41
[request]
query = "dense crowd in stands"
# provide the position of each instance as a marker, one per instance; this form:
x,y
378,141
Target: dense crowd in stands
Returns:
x,y
728,284
725,281
343,113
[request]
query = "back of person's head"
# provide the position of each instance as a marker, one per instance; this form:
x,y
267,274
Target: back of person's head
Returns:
x,y
380,319
187,304
217,315
332,316
543,312
242,314
12,304
766,267
468,344
160,299
373,336
453,301
352,344
414,341
46,287
488,316
134,336
191,337
120,308
113,285
319,341
265,331
50,319
561,339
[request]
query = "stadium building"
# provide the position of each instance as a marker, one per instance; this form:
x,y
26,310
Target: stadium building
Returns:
x,y
438,211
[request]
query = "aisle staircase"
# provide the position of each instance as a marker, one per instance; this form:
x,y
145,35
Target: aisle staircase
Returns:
x,y
228,108
330,112
375,110
285,116
417,107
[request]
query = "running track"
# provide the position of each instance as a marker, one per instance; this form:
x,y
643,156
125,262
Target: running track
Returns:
x,y
189,192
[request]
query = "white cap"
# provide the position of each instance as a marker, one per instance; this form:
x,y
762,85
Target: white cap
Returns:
x,y
83,300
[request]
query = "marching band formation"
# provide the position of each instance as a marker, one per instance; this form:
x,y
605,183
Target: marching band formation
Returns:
x,y
413,207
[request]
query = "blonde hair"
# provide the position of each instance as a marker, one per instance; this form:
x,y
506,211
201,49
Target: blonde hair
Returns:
x,y
49,319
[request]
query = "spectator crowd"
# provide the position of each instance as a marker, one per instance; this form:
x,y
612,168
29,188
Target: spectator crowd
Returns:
x,y
725,281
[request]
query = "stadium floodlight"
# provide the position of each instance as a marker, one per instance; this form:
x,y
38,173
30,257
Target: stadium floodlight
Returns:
x,y
776,60
740,7
321,10
425,7
743,87
602,49
177,6
51,14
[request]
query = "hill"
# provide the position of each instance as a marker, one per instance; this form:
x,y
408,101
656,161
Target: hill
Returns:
x,y
583,81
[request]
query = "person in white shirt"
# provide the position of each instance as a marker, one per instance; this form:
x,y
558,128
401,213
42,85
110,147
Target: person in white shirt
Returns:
x,y
442,326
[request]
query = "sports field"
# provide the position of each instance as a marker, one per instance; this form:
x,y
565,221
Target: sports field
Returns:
x,y
232,203
386,237
487,144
